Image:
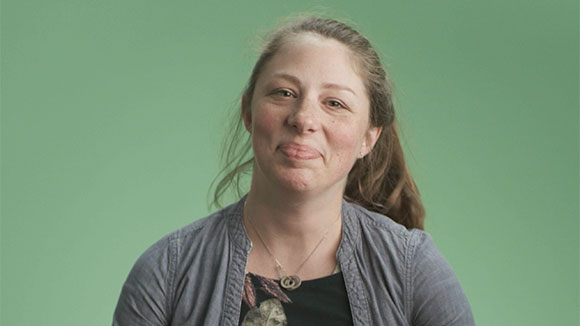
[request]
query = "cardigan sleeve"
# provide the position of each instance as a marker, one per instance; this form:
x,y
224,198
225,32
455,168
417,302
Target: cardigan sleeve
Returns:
x,y
436,296
144,298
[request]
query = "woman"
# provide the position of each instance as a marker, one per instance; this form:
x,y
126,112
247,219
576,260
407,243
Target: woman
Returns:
x,y
310,243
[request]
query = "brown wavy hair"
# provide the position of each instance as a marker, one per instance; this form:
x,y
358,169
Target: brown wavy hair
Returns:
x,y
380,181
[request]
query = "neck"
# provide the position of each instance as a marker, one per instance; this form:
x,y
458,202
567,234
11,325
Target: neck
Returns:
x,y
284,214
292,225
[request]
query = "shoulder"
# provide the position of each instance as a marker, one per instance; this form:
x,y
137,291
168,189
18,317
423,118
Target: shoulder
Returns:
x,y
190,240
433,294
384,234
205,230
146,296
413,249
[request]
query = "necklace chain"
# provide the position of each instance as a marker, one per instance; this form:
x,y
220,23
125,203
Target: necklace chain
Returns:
x,y
289,282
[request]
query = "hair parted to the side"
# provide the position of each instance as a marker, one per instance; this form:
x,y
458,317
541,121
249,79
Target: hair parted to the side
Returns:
x,y
380,181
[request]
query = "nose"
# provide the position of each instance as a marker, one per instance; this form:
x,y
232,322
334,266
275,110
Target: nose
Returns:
x,y
303,117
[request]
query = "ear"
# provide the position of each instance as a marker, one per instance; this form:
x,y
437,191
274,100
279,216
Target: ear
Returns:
x,y
369,141
246,114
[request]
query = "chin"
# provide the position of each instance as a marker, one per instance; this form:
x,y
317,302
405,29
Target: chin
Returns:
x,y
298,182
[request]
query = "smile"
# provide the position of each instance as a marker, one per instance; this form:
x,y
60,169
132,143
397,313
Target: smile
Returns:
x,y
297,151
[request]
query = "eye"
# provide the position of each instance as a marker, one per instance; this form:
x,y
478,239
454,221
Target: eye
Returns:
x,y
283,93
336,104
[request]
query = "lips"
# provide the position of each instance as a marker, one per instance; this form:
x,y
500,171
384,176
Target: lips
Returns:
x,y
298,151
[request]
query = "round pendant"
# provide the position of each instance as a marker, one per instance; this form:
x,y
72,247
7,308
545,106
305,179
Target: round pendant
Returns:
x,y
291,282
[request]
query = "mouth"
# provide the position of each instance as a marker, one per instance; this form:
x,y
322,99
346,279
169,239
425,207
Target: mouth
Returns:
x,y
296,151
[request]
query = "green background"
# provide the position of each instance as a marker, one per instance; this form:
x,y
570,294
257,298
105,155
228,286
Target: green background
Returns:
x,y
113,113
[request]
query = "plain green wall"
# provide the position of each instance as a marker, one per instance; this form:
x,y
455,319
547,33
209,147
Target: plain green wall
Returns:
x,y
113,112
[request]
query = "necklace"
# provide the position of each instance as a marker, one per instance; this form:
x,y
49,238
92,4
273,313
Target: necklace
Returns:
x,y
289,282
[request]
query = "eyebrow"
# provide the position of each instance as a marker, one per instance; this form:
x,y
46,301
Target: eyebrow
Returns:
x,y
339,87
295,80
286,76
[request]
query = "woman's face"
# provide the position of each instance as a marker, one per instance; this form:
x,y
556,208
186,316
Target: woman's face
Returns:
x,y
309,117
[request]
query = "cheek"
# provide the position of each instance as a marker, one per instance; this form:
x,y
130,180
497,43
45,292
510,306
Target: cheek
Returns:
x,y
265,125
346,140
345,148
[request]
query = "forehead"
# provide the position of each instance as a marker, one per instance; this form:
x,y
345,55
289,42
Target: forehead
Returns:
x,y
315,59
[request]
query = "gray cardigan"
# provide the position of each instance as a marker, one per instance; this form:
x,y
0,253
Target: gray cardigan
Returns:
x,y
194,276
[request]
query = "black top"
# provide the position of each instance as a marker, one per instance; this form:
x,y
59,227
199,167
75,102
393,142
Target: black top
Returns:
x,y
321,301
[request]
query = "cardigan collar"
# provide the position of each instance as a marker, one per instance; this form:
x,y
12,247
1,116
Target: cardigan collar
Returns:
x,y
349,238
